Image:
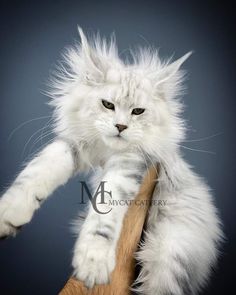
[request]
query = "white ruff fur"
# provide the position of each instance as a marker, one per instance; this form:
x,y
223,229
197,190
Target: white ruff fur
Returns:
x,y
181,240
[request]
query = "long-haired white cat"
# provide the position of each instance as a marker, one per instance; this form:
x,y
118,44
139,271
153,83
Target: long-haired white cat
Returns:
x,y
119,117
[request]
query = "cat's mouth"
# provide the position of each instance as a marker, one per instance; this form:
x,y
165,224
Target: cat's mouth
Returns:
x,y
117,142
119,137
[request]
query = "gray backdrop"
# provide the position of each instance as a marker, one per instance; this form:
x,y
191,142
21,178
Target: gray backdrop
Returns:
x,y
33,34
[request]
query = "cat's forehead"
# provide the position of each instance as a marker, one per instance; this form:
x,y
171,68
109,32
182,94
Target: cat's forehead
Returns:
x,y
129,86
129,76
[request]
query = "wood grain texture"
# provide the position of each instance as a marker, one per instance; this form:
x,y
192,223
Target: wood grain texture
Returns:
x,y
124,273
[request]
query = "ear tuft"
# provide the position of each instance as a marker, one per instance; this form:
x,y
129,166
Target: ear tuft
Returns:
x,y
171,69
94,63
82,35
84,41
175,66
169,79
182,59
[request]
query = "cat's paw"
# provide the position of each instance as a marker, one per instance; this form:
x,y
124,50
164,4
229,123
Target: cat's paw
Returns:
x,y
93,261
16,209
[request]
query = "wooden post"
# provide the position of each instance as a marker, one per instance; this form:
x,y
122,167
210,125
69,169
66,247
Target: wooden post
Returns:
x,y
124,273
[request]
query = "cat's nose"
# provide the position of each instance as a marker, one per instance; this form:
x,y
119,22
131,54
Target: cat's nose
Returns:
x,y
121,127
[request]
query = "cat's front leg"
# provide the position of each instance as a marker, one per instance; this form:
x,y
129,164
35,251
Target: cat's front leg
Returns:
x,y
95,250
94,253
49,169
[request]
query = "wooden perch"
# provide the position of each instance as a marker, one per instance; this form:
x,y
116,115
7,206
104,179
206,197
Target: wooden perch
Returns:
x,y
124,273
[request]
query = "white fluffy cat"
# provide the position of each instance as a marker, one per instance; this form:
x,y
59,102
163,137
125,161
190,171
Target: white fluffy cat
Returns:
x,y
121,116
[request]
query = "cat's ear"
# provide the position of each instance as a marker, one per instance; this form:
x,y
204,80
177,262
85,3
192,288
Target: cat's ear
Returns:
x,y
168,80
95,65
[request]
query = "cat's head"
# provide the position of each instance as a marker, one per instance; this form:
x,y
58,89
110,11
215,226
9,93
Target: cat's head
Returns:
x,y
99,97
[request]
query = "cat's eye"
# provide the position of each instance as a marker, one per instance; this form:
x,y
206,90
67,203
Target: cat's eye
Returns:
x,y
108,104
137,111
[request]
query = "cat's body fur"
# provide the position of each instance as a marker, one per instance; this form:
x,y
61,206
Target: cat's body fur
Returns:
x,y
181,241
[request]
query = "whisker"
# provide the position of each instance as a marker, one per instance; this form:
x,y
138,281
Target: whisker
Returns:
x,y
198,150
40,138
23,124
204,138
28,141
43,134
38,150
47,125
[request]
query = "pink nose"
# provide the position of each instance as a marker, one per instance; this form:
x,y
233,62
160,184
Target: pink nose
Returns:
x,y
121,127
